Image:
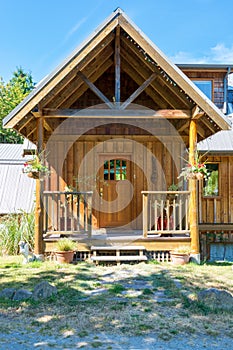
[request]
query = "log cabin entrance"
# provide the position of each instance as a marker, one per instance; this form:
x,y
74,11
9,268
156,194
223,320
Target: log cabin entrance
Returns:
x,y
116,191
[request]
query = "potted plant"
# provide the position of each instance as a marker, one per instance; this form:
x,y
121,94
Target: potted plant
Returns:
x,y
35,167
180,255
65,249
172,188
195,170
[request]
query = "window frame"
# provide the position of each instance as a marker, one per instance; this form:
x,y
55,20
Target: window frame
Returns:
x,y
203,186
205,80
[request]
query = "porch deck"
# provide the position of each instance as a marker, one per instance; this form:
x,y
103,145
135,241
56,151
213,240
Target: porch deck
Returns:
x,y
68,214
114,237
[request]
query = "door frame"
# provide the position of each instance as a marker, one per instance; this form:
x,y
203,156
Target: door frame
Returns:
x,y
102,157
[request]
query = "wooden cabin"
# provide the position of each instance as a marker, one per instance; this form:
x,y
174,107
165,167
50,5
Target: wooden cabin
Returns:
x,y
115,120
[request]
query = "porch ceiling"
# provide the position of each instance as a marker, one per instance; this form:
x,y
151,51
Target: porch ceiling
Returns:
x,y
117,64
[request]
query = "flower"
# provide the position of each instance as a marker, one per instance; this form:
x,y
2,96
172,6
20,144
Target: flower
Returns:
x,y
35,166
195,170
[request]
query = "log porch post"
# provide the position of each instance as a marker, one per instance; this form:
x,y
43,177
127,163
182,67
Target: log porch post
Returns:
x,y
39,249
193,207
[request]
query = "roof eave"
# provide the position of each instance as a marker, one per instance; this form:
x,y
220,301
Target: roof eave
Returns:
x,y
119,17
8,120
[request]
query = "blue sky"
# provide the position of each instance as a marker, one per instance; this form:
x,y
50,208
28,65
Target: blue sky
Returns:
x,y
38,35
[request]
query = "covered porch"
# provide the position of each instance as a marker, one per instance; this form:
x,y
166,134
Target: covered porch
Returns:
x,y
69,214
117,117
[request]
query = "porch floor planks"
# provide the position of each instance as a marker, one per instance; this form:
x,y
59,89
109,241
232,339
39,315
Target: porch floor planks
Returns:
x,y
120,238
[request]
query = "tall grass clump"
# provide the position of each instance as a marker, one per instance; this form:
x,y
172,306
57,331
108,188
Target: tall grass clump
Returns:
x,y
15,228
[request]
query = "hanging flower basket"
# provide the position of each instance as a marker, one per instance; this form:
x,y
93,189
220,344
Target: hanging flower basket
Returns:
x,y
196,170
33,174
35,168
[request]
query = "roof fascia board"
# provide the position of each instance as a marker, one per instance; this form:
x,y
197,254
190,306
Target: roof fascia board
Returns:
x,y
35,96
175,73
205,67
117,17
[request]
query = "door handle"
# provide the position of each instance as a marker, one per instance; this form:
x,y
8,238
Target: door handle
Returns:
x,y
101,192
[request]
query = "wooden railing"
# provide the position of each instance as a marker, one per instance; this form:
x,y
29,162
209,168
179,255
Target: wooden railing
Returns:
x,y
67,212
165,213
210,210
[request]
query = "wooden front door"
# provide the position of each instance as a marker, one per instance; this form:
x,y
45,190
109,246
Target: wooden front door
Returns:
x,y
116,192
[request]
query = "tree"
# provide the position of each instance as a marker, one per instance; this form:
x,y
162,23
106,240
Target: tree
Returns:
x,y
11,94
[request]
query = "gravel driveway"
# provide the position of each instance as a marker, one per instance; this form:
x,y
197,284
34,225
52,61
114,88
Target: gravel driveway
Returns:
x,y
27,341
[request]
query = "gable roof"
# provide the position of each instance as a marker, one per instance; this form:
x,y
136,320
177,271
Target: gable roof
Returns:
x,y
219,143
140,59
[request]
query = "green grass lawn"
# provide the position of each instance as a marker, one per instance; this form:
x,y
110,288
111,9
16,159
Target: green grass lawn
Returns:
x,y
126,299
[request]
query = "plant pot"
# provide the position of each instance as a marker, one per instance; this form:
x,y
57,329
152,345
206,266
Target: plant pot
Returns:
x,y
195,176
191,176
179,258
64,257
199,176
33,175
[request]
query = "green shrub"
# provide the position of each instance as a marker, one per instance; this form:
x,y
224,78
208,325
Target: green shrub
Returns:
x,y
15,228
65,245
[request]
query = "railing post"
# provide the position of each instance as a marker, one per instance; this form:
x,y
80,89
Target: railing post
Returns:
x,y
89,215
145,214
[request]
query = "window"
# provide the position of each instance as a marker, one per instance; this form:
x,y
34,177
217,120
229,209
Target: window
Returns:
x,y
211,183
205,86
115,169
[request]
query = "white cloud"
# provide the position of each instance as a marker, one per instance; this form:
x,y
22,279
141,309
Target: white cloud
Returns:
x,y
187,57
75,28
222,54
219,54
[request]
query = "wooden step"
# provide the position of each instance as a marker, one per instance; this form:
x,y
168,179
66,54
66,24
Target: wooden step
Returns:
x,y
119,258
124,247
120,253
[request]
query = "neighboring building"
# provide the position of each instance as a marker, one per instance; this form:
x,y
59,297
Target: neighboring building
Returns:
x,y
17,191
118,115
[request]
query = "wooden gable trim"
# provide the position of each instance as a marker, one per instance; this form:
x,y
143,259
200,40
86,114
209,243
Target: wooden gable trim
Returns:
x,y
172,97
63,72
81,88
175,73
139,78
137,54
117,19
103,50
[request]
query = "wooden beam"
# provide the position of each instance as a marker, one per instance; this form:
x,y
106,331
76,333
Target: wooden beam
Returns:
x,y
117,66
114,114
209,125
100,63
182,125
175,73
135,52
193,204
26,121
62,73
197,112
133,73
46,125
137,92
96,90
143,72
89,60
39,190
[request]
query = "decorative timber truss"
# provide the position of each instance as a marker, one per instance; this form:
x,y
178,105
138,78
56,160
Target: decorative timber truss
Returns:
x,y
116,66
